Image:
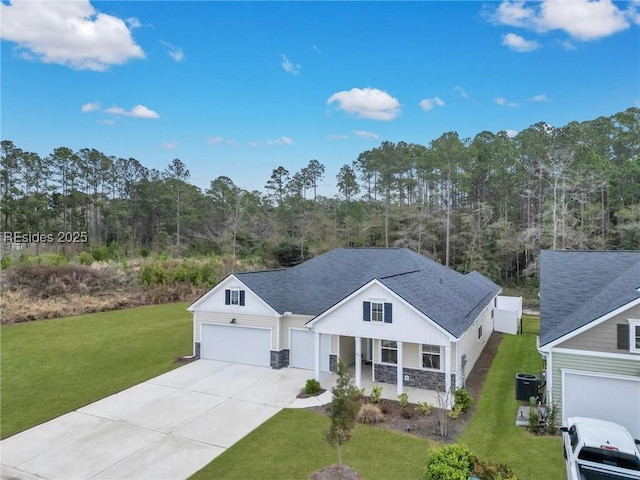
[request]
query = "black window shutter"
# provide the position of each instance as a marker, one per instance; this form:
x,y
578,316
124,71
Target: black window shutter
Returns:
x,y
366,311
242,298
623,336
388,313
227,297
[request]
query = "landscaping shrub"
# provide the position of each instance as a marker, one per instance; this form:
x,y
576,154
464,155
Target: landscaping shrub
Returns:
x,y
403,399
462,399
454,462
424,407
370,413
5,262
312,387
376,394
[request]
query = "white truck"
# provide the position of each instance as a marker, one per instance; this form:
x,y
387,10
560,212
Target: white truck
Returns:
x,y
599,450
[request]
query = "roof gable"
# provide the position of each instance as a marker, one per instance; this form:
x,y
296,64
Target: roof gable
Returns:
x,y
580,287
449,298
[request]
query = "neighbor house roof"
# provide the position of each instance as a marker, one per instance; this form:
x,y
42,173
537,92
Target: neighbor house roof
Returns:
x,y
449,298
578,287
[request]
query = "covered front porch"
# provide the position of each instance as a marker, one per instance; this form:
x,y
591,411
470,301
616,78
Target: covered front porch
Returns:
x,y
398,366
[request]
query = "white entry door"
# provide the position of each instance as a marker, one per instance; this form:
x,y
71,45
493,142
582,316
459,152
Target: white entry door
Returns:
x,y
301,349
232,343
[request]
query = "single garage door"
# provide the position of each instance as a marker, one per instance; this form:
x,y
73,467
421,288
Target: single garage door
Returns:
x,y
301,350
232,343
615,398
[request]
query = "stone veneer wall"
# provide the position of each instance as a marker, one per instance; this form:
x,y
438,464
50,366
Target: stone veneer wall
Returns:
x,y
196,353
279,359
417,378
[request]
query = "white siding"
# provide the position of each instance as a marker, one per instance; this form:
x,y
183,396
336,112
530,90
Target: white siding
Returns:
x,y
471,345
213,301
407,326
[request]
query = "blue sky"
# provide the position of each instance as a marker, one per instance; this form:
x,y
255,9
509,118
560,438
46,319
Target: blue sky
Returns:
x,y
240,88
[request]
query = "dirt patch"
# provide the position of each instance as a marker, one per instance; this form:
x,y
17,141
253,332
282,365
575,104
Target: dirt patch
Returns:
x,y
336,472
411,420
302,394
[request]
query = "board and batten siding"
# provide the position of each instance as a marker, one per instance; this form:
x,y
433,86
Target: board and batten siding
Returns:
x,y
407,326
473,346
241,319
570,361
603,337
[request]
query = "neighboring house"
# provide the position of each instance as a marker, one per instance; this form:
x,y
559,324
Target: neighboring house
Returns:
x,y
590,334
410,320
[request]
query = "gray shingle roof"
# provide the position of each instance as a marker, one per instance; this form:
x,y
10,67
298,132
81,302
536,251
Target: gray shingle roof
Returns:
x,y
578,287
451,299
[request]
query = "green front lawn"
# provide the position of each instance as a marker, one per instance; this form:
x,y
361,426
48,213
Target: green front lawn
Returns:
x,y
51,367
492,434
291,445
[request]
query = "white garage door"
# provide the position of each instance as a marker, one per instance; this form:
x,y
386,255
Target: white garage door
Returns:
x,y
301,350
236,344
615,398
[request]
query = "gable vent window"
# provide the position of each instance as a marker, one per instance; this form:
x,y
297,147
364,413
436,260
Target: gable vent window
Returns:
x,y
377,312
234,296
623,336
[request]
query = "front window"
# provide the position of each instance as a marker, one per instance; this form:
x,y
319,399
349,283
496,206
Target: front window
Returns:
x,y
389,351
235,297
377,312
431,356
634,333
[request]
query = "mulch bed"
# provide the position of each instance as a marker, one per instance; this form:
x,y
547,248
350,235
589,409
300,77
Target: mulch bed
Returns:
x,y
428,426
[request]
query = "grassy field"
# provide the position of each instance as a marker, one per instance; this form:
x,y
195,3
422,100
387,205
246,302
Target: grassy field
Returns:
x,y
291,446
492,434
51,367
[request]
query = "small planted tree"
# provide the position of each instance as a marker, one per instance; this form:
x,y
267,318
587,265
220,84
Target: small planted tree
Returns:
x,y
343,410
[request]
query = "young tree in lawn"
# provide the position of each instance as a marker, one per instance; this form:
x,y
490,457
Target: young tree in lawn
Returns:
x,y
343,410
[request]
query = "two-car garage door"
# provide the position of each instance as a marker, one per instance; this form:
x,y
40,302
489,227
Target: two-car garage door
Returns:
x,y
615,398
236,344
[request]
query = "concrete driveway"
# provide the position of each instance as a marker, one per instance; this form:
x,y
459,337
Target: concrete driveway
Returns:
x,y
166,428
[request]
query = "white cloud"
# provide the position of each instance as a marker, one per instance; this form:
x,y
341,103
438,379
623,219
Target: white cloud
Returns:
x,y
73,34
581,19
233,142
91,107
169,145
335,136
139,111
567,45
107,122
519,44
174,52
365,134
215,140
461,91
276,141
504,103
429,103
367,103
539,98
316,49
289,66
511,133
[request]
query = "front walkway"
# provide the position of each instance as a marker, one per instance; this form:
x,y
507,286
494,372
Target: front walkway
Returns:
x,y
168,427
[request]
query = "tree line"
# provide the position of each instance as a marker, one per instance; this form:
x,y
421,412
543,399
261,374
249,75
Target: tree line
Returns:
x,y
489,203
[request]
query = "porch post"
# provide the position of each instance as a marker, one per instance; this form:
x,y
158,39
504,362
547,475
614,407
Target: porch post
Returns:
x,y
316,355
447,375
358,362
400,382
